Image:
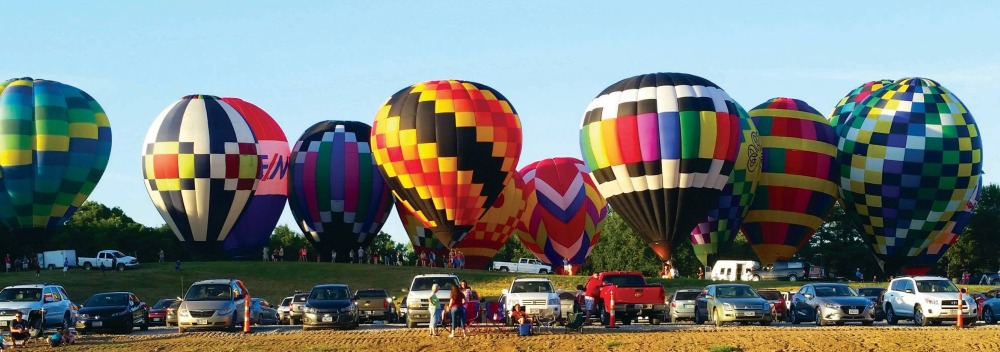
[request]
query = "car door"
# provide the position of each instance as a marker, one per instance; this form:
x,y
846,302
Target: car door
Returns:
x,y
51,303
798,301
137,308
906,298
710,302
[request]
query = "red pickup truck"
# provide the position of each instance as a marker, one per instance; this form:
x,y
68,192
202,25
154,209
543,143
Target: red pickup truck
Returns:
x,y
633,297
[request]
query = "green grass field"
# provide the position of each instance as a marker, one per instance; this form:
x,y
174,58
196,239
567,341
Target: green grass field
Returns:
x,y
275,281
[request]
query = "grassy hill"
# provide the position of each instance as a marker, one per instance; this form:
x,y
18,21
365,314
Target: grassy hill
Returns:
x,y
275,281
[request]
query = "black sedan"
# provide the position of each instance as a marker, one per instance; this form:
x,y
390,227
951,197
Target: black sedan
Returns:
x,y
113,311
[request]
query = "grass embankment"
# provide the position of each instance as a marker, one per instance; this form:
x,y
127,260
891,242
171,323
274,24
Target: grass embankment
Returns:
x,y
275,281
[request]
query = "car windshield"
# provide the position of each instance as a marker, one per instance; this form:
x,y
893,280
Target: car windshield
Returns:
x,y
163,304
531,286
770,295
285,302
625,280
21,295
372,294
835,291
870,292
209,292
735,292
424,283
936,286
329,293
107,300
118,254
686,295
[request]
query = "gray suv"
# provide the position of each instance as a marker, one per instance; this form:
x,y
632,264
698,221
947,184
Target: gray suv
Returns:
x,y
43,306
782,270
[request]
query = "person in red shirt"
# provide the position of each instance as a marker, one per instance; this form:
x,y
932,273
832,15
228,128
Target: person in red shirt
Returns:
x,y
590,294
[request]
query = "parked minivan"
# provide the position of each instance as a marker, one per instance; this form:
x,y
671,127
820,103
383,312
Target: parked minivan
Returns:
x,y
212,304
733,270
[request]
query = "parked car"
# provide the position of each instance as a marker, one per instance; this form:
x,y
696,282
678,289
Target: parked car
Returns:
x,y
991,307
523,265
831,303
402,309
536,295
172,313
991,278
212,304
782,270
158,313
113,311
43,305
295,309
733,270
330,305
633,297
729,303
875,295
777,300
374,304
262,312
284,311
111,259
681,305
418,296
925,300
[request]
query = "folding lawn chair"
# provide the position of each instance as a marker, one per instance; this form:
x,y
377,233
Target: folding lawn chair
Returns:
x,y
494,318
576,322
544,319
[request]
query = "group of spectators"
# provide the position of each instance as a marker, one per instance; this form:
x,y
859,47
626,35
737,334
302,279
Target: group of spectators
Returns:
x,y
455,259
457,299
20,264
369,256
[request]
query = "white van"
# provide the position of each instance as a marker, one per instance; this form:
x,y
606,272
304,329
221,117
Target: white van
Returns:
x,y
733,270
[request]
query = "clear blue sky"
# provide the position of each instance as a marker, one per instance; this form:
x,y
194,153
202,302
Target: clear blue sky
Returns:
x,y
309,61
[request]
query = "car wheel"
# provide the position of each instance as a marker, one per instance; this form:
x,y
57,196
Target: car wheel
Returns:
x,y
890,315
755,278
988,316
793,318
66,322
627,319
410,324
121,267
129,324
655,320
918,317
793,278
145,323
87,265
504,269
819,318
232,324
543,271
717,317
765,322
697,317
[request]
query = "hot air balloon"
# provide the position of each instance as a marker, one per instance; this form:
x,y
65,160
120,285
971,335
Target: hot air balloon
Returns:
x,y
337,196
253,230
447,148
201,165
55,149
422,238
938,244
564,213
723,221
797,189
661,147
851,101
910,158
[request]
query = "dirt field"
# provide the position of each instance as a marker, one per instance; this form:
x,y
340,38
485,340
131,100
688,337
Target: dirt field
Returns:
x,y
664,338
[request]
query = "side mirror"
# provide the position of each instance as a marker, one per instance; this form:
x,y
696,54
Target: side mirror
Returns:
x,y
504,292
909,290
355,298
808,296
405,290
709,297
580,288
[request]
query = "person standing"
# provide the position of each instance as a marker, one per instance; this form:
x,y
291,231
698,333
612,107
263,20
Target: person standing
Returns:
x,y
399,258
38,268
65,266
435,304
302,254
350,255
859,275
161,255
265,253
281,253
701,273
673,272
102,269
432,260
593,290
177,265
333,255
422,259
457,305
7,262
361,255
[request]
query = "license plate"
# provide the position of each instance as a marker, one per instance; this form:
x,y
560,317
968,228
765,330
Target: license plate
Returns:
x,y
202,321
688,306
97,324
956,312
3,323
156,319
327,319
749,314
853,311
533,311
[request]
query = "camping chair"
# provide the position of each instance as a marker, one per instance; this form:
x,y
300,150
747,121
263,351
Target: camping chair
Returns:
x,y
472,313
545,318
494,318
576,323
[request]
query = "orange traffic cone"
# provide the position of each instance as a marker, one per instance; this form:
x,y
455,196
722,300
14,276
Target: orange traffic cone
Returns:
x,y
959,323
611,319
246,314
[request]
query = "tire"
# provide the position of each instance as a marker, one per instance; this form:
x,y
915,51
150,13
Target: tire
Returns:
x,y
868,322
765,322
918,317
819,318
120,267
543,271
890,315
410,324
937,322
988,317
793,278
232,324
129,325
755,278
792,318
627,319
697,318
87,265
717,318
306,328
66,322
655,321
51,266
504,269
145,323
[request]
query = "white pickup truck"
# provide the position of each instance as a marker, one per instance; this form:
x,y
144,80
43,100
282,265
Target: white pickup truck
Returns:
x,y
523,265
111,259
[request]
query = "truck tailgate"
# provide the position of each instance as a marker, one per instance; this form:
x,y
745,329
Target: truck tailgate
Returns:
x,y
639,295
371,304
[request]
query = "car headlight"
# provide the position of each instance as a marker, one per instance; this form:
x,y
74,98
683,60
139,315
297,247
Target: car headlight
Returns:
x,y
831,305
727,306
932,301
554,302
309,310
224,311
347,309
183,312
84,316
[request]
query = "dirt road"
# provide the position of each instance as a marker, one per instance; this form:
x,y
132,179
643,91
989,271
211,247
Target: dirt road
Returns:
x,y
646,338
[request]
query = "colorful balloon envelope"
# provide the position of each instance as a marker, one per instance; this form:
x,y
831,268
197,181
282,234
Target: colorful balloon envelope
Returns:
x,y
55,149
723,221
201,165
797,190
939,244
336,194
661,147
447,148
910,158
851,101
253,230
564,212
481,244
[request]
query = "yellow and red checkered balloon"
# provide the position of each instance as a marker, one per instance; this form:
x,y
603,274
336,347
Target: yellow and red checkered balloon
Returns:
x,y
447,148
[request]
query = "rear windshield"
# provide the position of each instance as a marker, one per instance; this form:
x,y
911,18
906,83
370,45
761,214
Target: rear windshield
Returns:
x,y
624,280
372,294
330,293
209,292
686,295
425,283
163,304
21,295
770,295
285,302
302,297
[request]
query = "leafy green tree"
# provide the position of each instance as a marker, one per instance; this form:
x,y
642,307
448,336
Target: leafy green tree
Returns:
x,y
512,251
290,240
838,246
